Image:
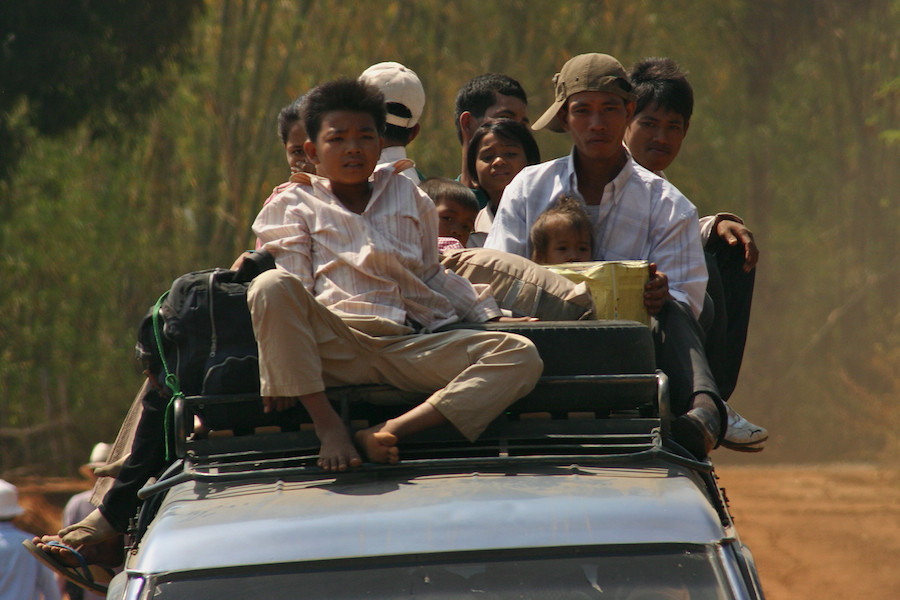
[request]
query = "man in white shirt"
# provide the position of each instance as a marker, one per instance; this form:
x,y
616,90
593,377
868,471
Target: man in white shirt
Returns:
x,y
636,215
404,99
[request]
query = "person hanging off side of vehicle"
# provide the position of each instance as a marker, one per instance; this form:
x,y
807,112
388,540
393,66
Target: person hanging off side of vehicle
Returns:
x,y
359,292
664,102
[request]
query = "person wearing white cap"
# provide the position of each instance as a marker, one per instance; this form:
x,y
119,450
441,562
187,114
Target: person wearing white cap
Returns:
x,y
404,98
21,576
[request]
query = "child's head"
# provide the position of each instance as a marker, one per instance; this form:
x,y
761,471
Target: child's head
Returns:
x,y
345,123
293,135
497,152
562,234
456,206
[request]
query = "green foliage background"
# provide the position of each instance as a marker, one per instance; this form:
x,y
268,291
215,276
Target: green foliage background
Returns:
x,y
796,128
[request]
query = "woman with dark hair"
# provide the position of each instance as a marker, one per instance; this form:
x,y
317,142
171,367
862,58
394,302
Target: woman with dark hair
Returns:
x,y
497,152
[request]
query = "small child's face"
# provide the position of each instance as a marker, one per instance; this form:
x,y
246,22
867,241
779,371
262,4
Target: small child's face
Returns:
x,y
455,221
567,244
497,162
296,155
347,148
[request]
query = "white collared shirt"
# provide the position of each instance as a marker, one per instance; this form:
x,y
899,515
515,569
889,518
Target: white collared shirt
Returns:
x,y
391,154
383,262
640,217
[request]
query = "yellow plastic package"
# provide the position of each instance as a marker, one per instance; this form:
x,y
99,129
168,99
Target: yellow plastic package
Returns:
x,y
616,285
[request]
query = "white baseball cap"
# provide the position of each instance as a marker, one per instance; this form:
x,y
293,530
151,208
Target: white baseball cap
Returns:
x,y
399,85
9,501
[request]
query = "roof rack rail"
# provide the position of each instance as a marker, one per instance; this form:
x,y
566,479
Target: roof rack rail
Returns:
x,y
583,414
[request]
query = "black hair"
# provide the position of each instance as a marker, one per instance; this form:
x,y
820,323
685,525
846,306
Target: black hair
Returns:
x,y
509,130
480,93
394,134
569,210
342,94
440,189
661,82
289,115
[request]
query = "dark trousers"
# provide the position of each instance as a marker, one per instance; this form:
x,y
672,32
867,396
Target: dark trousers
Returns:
x,y
678,340
730,289
147,459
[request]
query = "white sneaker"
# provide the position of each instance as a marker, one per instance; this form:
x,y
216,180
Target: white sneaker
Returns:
x,y
742,435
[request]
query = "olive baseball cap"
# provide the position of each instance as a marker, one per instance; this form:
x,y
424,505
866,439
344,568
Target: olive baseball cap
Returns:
x,y
585,73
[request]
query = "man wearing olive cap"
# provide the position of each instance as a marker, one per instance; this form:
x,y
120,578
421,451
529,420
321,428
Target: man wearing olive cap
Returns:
x,y
636,216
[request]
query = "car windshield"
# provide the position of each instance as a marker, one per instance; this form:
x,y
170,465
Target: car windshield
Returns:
x,y
676,574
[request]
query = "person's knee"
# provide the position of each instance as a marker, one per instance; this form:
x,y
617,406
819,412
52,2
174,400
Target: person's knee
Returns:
x,y
272,288
528,359
267,283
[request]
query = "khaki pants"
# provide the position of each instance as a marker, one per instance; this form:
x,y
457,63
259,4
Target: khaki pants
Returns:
x,y
304,347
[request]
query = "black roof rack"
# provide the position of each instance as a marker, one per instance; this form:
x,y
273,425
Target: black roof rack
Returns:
x,y
600,419
623,422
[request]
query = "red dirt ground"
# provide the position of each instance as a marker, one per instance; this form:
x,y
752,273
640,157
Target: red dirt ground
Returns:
x,y
823,532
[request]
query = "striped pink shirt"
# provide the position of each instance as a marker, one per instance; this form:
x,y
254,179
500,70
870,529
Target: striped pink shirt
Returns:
x,y
383,262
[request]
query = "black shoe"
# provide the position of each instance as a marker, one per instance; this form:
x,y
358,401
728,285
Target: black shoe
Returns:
x,y
697,431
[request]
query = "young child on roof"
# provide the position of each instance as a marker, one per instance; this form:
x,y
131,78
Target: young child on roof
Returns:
x,y
359,292
562,234
456,207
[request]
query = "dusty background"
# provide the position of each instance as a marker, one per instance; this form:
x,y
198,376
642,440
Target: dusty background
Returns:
x,y
819,532
823,532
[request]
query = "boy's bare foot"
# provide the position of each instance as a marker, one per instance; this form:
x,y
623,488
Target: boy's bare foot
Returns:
x,y
337,452
378,446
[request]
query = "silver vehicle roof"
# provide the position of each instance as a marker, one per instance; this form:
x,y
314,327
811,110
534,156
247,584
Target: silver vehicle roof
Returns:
x,y
202,525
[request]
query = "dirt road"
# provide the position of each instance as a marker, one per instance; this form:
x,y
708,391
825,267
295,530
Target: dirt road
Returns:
x,y
822,533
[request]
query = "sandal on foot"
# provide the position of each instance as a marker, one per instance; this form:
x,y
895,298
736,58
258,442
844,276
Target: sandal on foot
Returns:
x,y
84,575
